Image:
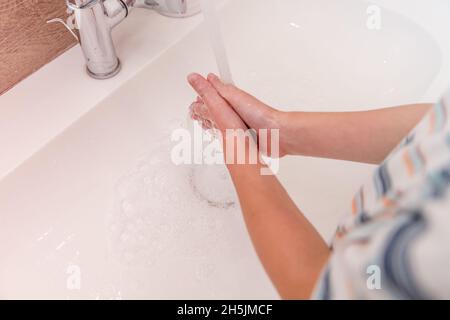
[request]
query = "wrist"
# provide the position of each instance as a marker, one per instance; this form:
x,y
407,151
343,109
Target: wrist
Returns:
x,y
284,124
294,127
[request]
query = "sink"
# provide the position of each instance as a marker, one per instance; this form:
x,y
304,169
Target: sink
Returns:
x,y
101,212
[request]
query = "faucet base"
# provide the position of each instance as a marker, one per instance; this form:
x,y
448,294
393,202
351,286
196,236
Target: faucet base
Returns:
x,y
177,15
104,76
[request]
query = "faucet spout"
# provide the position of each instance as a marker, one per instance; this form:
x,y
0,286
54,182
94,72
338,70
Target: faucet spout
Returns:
x,y
166,7
95,20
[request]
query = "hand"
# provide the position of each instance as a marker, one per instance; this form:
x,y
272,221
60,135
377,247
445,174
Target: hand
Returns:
x,y
224,106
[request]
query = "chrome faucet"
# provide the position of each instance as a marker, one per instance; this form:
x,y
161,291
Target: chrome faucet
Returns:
x,y
95,19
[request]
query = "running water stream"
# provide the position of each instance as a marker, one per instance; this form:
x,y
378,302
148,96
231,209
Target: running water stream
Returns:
x,y
212,25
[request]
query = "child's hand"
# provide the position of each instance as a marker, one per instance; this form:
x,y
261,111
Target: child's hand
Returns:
x,y
224,106
211,108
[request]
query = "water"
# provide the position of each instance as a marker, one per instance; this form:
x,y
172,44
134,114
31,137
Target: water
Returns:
x,y
212,183
178,215
159,215
216,39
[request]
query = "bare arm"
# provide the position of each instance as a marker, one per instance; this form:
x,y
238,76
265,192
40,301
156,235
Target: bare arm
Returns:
x,y
366,136
291,250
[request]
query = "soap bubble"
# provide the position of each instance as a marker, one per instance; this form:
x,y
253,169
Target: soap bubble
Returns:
x,y
166,213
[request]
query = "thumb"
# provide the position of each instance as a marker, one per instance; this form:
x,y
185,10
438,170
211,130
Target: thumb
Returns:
x,y
247,106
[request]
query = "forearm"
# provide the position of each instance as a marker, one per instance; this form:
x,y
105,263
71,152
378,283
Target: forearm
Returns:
x,y
291,250
366,136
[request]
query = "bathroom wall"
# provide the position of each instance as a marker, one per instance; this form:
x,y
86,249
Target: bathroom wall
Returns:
x,y
27,42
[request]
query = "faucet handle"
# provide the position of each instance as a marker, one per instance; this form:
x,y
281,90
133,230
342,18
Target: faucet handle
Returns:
x,y
174,8
81,4
59,20
70,23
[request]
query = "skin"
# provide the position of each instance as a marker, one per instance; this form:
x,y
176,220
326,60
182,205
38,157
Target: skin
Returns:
x,y
289,247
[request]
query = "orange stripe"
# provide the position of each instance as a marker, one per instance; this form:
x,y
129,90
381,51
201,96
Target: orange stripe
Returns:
x,y
421,156
339,235
408,162
432,121
354,206
388,203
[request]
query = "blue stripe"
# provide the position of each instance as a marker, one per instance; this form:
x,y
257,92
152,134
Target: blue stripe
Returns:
x,y
437,183
358,200
409,139
416,159
447,140
324,292
398,276
363,217
382,181
440,115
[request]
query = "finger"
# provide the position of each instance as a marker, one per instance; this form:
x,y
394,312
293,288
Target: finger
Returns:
x,y
202,110
245,104
222,113
192,112
200,113
199,110
207,124
194,117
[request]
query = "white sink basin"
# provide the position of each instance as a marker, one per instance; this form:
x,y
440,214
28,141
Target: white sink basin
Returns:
x,y
93,201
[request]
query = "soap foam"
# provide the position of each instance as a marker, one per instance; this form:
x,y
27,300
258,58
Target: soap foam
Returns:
x,y
159,215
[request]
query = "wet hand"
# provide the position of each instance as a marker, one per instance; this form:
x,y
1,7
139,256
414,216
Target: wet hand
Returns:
x,y
224,106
